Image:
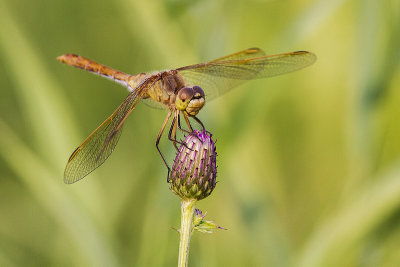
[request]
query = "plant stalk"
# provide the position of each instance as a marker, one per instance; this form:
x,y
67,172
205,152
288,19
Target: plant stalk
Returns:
x,y
187,210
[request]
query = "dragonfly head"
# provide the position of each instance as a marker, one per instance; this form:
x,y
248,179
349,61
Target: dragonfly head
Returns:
x,y
190,100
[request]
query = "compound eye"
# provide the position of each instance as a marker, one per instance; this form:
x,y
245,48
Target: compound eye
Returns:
x,y
198,92
185,94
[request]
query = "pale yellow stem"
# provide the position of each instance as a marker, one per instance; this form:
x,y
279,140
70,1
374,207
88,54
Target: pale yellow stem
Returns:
x,y
187,210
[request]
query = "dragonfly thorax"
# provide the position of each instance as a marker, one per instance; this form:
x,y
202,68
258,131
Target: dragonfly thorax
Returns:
x,y
190,100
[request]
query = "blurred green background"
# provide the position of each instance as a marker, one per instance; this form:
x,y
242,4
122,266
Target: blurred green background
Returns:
x,y
309,163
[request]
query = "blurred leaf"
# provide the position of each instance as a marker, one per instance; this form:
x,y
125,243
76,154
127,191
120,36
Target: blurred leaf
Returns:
x,y
150,20
42,100
333,240
88,238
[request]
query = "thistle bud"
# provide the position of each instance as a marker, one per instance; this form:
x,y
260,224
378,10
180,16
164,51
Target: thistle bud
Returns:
x,y
193,174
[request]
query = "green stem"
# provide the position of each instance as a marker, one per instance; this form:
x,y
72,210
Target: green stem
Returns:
x,y
187,210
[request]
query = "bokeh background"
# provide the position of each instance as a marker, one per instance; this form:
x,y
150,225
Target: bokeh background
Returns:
x,y
309,169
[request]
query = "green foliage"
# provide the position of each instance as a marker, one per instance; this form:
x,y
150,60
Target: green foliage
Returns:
x,y
204,226
308,162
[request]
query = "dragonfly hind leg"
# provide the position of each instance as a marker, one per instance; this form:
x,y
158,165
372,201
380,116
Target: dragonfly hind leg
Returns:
x,y
172,133
158,141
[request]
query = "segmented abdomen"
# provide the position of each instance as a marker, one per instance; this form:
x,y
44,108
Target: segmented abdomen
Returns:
x,y
89,65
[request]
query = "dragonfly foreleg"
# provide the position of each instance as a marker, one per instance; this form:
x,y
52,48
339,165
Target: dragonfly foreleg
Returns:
x,y
188,122
172,131
190,126
199,122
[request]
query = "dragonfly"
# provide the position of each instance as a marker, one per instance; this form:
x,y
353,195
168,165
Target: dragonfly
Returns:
x,y
182,91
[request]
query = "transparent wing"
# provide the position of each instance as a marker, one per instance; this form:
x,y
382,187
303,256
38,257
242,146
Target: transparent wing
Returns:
x,y
150,102
101,143
245,54
218,76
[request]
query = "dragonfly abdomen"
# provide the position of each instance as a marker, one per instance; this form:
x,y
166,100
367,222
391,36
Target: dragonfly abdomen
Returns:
x,y
94,67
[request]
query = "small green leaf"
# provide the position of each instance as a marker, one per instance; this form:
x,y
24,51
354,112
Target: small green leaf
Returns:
x,y
202,225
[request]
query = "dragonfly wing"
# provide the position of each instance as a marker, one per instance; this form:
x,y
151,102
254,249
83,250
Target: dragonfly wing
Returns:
x,y
101,143
219,76
245,54
150,102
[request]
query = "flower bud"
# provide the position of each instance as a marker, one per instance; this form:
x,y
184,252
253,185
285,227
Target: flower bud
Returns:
x,y
193,174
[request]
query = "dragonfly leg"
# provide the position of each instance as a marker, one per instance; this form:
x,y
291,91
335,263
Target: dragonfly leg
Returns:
x,y
199,122
190,126
172,131
158,141
188,122
180,127
174,136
